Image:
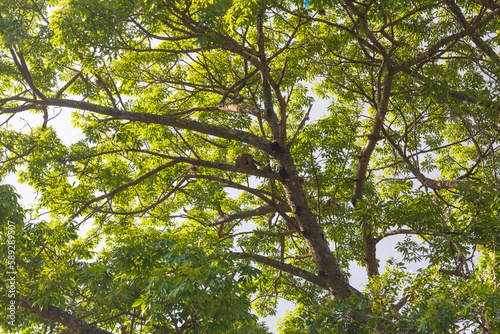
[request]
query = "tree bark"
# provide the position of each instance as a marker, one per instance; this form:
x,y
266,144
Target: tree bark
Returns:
x,y
76,325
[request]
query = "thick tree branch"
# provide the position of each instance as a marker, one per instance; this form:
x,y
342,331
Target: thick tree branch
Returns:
x,y
406,231
197,162
18,58
425,56
52,313
166,120
264,195
312,232
123,187
454,273
263,67
482,45
455,94
67,85
472,99
288,268
373,137
364,25
263,210
241,109
446,235
429,183
364,160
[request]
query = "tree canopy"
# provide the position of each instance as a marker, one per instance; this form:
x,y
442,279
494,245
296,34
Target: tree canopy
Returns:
x,y
207,185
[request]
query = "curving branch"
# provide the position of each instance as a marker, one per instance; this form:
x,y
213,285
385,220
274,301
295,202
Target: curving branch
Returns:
x,y
433,49
288,268
167,120
425,181
264,195
18,58
267,81
447,235
478,41
364,160
406,231
123,187
61,91
364,25
260,211
241,109
52,313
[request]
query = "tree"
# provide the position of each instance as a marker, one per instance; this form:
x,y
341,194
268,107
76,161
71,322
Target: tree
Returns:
x,y
206,181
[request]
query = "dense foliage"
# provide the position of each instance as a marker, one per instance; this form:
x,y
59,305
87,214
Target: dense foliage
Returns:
x,y
208,185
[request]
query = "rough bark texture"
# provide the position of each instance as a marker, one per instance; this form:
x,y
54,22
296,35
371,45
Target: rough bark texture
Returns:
x,y
75,325
310,230
364,160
